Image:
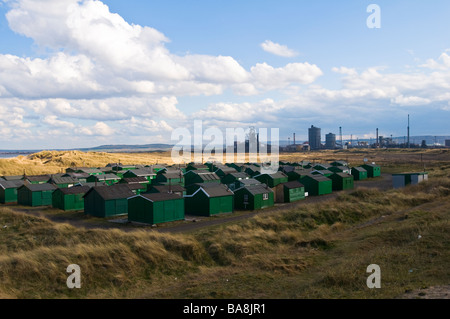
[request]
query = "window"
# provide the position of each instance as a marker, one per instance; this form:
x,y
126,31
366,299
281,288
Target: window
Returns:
x,y
245,198
265,196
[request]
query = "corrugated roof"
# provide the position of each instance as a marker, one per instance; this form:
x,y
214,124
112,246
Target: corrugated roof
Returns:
x,y
175,175
13,178
90,184
216,190
238,175
319,178
208,176
39,187
107,177
74,190
159,197
134,180
250,181
142,172
136,186
63,180
117,191
293,184
344,175
38,178
11,184
258,189
359,169
76,175
166,188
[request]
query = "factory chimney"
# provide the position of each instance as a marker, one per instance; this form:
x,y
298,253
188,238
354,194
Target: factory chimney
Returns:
x,y
377,143
408,145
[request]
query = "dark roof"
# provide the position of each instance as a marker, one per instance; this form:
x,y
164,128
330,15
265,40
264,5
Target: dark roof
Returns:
x,y
238,175
344,175
134,180
319,178
226,169
253,168
39,187
343,163
135,186
258,189
77,175
274,175
11,184
216,190
293,184
371,165
321,172
174,175
107,177
74,190
89,184
63,180
38,178
249,181
117,191
142,172
165,188
159,197
208,176
12,178
359,169
198,166
89,170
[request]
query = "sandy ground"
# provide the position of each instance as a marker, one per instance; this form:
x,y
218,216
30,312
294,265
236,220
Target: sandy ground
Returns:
x,y
438,292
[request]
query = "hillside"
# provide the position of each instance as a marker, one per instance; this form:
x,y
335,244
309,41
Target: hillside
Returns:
x,y
316,251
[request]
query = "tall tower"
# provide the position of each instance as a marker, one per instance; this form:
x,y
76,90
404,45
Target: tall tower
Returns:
x,y
314,134
340,137
330,141
408,145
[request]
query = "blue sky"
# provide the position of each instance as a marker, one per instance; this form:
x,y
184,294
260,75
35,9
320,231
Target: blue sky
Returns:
x,y
84,73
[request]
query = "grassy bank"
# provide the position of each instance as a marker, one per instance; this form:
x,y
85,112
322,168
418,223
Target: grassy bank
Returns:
x,y
318,251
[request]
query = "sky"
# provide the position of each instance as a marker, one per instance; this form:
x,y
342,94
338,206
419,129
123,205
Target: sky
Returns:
x,y
83,73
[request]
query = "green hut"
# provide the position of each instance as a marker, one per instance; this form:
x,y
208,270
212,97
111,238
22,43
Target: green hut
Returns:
x,y
109,179
210,199
324,172
236,166
37,179
155,208
69,199
272,180
372,170
298,173
221,171
359,173
253,197
169,177
252,170
197,167
63,181
290,192
194,177
80,177
35,194
339,163
175,189
339,169
342,181
317,185
8,191
232,178
320,167
107,201
141,172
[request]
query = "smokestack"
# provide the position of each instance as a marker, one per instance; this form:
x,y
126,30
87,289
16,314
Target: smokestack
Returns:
x,y
377,143
294,138
408,145
340,136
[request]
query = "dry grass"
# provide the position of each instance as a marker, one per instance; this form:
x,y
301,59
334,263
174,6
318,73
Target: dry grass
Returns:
x,y
310,251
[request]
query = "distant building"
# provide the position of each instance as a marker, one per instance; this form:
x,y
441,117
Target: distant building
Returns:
x,y
447,143
330,141
314,134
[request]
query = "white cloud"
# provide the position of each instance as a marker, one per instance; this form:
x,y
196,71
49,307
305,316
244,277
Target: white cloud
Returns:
x,y
53,120
267,77
278,49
